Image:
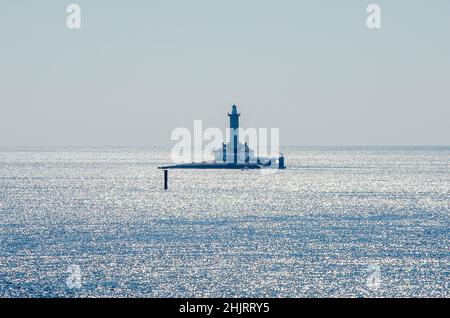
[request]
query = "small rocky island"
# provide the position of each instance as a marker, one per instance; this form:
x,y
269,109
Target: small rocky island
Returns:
x,y
233,155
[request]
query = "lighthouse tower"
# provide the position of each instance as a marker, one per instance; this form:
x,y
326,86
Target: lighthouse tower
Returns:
x,y
234,132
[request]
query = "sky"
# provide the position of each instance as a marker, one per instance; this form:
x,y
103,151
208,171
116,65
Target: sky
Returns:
x,y
136,70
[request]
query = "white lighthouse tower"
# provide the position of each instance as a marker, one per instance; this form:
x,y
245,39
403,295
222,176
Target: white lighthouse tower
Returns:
x,y
234,152
234,132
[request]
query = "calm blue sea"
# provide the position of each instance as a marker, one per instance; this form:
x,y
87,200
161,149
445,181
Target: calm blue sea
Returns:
x,y
340,222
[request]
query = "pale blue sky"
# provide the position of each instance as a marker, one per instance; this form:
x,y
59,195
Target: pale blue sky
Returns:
x,y
138,69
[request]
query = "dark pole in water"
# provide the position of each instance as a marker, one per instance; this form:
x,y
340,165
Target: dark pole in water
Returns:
x,y
166,179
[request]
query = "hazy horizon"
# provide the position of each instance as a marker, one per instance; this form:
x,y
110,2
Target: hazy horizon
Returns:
x,y
136,71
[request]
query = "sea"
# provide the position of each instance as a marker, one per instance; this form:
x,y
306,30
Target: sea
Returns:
x,y
338,222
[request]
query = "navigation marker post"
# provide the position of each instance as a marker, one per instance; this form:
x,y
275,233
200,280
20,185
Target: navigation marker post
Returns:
x,y
166,179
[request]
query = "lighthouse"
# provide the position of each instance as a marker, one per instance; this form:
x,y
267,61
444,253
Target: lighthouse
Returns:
x,y
232,154
234,131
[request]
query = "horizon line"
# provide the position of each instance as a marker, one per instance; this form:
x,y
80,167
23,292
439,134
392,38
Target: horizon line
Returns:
x,y
288,146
